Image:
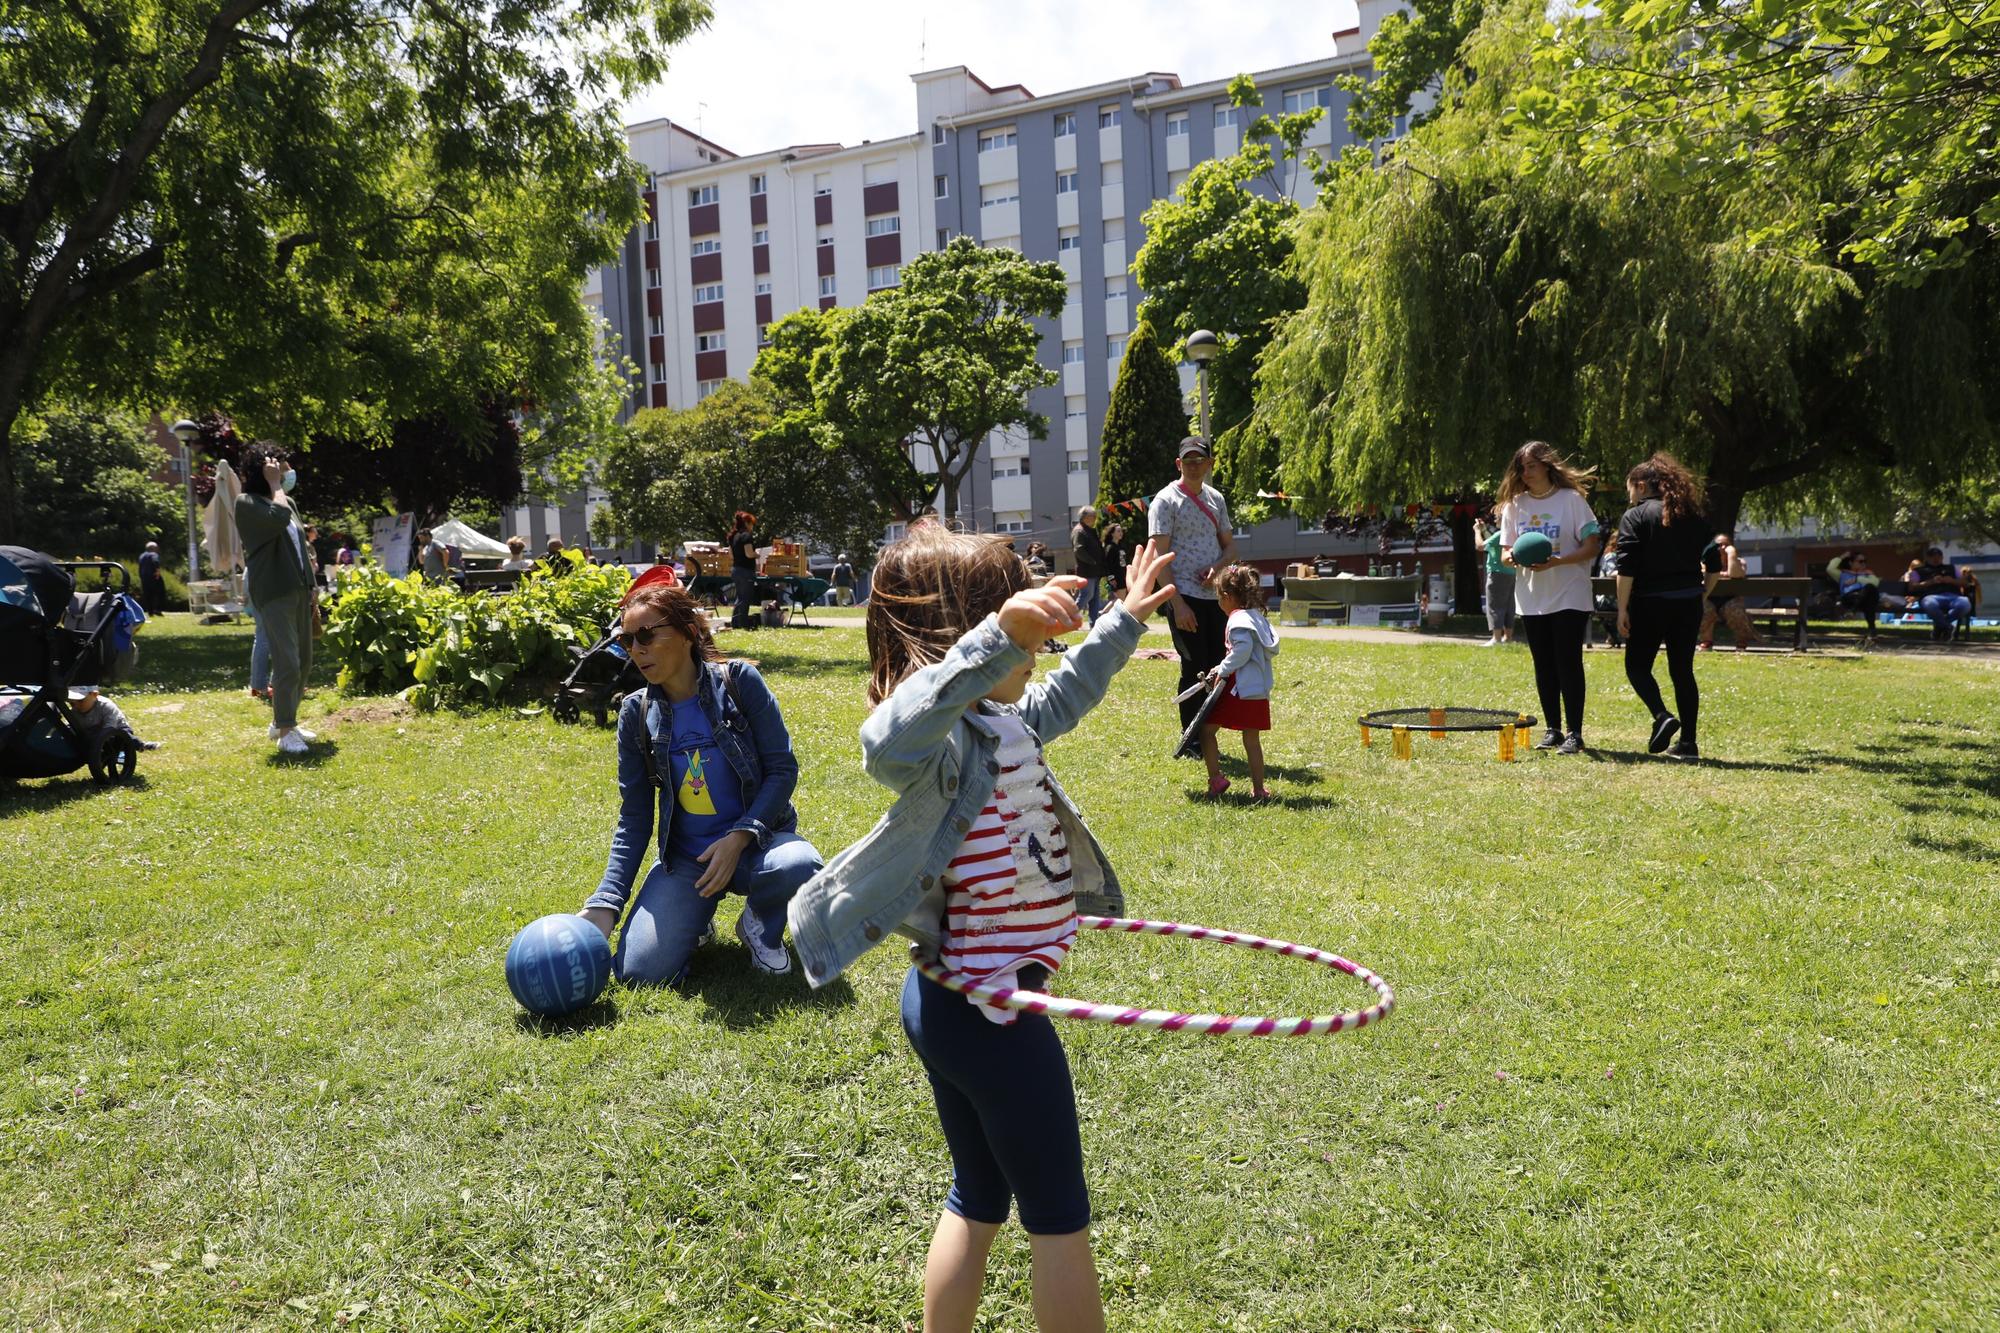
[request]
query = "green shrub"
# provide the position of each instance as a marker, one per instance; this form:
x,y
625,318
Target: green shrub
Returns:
x,y
446,648
93,580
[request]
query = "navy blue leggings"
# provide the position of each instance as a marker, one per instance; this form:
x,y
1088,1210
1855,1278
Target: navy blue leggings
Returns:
x,y
1009,1113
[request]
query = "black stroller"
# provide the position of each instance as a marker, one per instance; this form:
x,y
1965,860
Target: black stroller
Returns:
x,y
600,680
52,639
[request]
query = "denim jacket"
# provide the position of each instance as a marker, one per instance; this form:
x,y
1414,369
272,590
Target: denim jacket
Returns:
x,y
752,738
918,743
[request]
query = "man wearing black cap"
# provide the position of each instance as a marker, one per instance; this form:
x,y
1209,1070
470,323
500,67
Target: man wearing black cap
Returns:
x,y
1190,518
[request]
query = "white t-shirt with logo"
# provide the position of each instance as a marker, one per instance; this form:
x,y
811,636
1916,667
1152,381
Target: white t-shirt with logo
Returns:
x,y
1564,517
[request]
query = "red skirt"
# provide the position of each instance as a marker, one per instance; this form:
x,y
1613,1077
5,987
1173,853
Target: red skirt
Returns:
x,y
1234,714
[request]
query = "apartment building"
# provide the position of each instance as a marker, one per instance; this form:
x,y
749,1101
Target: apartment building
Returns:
x,y
733,242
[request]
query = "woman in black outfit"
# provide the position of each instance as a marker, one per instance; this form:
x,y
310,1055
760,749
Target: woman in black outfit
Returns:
x,y
743,569
1662,579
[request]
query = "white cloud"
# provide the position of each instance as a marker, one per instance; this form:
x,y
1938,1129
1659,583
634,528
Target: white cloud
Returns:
x,y
767,73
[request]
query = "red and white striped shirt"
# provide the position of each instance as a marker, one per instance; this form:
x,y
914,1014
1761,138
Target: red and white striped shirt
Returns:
x,y
1007,891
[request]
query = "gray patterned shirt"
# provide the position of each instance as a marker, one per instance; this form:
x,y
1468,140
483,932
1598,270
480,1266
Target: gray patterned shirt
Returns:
x,y
1197,544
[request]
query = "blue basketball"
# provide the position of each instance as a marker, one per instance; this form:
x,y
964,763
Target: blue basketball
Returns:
x,y
558,964
1531,548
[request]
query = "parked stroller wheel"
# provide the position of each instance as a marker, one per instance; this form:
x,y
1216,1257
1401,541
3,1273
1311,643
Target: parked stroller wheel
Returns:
x,y
114,759
566,712
607,712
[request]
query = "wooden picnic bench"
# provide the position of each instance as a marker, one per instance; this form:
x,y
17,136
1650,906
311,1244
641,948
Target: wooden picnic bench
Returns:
x,y
1798,589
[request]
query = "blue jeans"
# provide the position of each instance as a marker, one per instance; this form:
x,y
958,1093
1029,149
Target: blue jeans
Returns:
x,y
1945,607
669,917
260,655
1090,600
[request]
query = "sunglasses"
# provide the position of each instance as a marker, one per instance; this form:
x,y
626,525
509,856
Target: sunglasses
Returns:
x,y
642,637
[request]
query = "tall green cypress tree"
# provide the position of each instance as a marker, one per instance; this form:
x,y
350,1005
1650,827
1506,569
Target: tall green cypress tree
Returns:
x,y
1143,427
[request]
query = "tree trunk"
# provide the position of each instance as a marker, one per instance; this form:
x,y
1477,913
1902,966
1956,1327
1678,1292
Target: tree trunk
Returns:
x,y
10,410
1468,561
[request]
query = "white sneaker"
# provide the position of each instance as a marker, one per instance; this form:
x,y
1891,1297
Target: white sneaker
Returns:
x,y
293,742
764,958
1490,643
273,733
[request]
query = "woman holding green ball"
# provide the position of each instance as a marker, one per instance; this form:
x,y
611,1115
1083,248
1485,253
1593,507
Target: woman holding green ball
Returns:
x,y
1549,536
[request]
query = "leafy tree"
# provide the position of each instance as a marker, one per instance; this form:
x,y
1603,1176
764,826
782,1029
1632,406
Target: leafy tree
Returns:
x,y
289,208
679,475
1144,424
1218,257
1878,120
88,489
785,369
1416,50
942,361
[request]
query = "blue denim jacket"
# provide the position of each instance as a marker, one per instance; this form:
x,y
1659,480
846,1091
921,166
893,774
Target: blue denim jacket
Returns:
x,y
754,741
917,743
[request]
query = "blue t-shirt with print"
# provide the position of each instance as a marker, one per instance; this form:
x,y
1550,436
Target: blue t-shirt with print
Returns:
x,y
708,801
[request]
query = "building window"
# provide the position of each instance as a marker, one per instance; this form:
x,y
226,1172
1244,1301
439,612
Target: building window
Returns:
x,y
1107,117
826,285
1010,467
703,388
763,335
1225,116
757,183
1065,182
656,325
1305,99
652,229
760,236
1073,407
710,292
1065,124
889,226
822,183
1177,124
702,194
1068,238
763,287
659,372
994,140
711,342
1073,353
889,275
944,238
940,187
1116,347
937,135
652,277
1114,230
991,196
706,246
1079,463
1012,522
1114,287
825,239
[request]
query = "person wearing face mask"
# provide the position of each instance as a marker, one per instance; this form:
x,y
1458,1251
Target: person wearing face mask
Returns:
x,y
280,587
704,748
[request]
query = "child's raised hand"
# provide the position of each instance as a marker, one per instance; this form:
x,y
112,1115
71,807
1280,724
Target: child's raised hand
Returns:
x,y
1141,597
1035,615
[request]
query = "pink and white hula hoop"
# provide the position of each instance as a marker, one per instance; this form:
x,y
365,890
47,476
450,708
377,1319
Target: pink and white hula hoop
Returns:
x,y
1036,1002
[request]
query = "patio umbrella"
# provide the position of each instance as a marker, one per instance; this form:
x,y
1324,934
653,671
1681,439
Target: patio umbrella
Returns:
x,y
218,522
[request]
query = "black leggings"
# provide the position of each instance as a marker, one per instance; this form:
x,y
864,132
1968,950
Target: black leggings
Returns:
x,y
1865,598
1200,648
1672,623
1555,641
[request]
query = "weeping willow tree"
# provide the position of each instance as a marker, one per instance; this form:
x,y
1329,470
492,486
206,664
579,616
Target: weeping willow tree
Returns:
x,y
1469,294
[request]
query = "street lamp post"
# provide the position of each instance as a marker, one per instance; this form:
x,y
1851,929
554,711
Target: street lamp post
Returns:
x,y
186,431
1201,349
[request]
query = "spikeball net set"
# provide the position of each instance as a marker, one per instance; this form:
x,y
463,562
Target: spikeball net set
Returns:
x,y
1514,729
1167,1020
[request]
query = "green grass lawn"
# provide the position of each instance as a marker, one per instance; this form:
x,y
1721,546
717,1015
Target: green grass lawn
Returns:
x,y
1676,1047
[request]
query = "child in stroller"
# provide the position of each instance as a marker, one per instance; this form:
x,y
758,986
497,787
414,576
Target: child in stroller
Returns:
x,y
55,646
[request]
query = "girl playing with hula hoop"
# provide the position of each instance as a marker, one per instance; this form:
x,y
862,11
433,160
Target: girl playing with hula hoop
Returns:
x,y
984,861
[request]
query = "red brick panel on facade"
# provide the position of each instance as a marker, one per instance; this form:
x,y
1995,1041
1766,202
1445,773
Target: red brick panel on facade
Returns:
x,y
704,219
708,317
711,365
653,306
652,254
885,250
764,308
822,210
760,258
826,303
705,268
825,261
760,211
656,350
879,199
659,395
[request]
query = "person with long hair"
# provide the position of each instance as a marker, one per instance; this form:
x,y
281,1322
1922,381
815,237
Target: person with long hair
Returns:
x,y
1540,492
704,747
743,568
1665,568
278,579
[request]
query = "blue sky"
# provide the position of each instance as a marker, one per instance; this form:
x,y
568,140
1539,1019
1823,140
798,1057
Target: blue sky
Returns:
x,y
767,73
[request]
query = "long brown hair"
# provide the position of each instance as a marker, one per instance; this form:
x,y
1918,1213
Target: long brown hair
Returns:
x,y
928,590
1681,493
678,611
1561,474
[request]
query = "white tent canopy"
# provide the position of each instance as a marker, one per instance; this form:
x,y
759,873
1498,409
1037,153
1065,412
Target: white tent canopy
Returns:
x,y
468,539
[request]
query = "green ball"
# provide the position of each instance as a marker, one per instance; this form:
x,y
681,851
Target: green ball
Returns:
x,y
1532,548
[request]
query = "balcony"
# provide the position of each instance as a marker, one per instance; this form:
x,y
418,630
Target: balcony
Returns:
x,y
1111,144
999,164
1112,200
1066,153
1178,153
1076,434
1066,209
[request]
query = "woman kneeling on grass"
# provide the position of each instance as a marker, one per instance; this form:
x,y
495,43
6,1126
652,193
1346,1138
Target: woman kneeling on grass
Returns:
x,y
706,741
983,860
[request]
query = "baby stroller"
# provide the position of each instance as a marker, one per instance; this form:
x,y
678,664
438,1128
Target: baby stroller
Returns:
x,y
51,640
600,680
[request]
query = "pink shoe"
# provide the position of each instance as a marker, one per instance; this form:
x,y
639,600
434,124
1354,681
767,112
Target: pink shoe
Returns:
x,y
1261,794
1219,786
